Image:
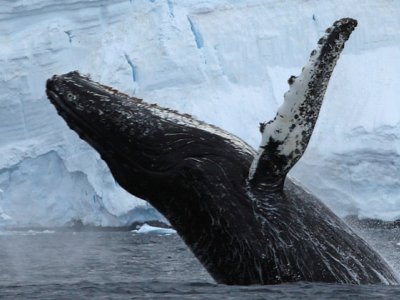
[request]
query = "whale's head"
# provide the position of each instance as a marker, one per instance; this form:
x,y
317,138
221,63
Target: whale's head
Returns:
x,y
112,122
152,152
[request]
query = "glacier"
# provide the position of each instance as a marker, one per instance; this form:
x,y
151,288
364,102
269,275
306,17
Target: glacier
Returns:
x,y
226,62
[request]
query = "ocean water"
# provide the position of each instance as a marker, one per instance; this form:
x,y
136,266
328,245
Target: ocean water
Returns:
x,y
124,265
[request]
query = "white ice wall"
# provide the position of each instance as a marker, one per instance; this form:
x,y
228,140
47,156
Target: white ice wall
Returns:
x,y
225,61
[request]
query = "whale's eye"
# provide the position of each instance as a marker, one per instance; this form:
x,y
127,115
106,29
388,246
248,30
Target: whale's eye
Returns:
x,y
71,97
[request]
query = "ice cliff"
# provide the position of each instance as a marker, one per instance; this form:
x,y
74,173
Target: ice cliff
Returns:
x,y
226,62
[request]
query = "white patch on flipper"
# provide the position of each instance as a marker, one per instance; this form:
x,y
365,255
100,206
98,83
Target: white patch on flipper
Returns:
x,y
293,125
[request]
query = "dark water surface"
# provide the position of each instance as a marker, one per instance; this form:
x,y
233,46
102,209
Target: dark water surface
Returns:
x,y
123,265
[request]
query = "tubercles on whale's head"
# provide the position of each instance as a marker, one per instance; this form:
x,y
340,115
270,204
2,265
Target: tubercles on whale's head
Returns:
x,y
94,111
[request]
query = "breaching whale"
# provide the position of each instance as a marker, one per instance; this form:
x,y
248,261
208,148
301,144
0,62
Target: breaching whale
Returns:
x,y
228,202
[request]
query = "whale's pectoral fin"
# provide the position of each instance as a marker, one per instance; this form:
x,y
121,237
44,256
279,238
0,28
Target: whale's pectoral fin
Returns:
x,y
285,138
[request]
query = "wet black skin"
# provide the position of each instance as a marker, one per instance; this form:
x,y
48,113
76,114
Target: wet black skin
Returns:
x,y
197,177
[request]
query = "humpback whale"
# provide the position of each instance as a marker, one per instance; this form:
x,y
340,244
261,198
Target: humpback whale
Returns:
x,y
229,202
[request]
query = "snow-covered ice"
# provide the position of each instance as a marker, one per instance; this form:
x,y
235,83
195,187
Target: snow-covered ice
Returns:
x,y
226,62
146,228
